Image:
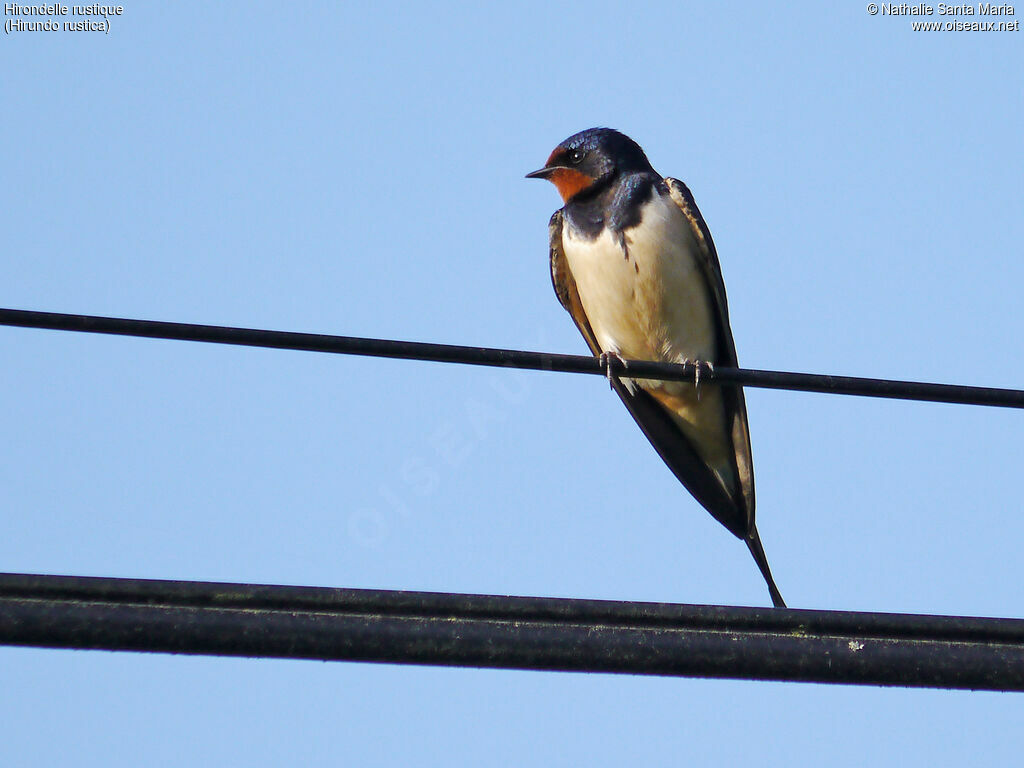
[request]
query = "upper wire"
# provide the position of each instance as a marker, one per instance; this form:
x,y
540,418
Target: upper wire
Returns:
x,y
511,358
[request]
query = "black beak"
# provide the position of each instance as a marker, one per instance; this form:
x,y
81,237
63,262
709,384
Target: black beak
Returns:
x,y
543,173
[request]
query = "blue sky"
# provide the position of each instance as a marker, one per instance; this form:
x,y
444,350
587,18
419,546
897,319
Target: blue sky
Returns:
x,y
317,167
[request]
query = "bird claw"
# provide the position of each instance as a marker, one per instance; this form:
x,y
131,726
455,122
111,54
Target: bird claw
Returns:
x,y
606,359
697,365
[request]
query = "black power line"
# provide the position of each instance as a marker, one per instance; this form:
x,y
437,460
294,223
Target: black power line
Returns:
x,y
511,632
447,353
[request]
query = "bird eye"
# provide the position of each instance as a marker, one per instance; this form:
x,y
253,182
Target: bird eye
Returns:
x,y
576,156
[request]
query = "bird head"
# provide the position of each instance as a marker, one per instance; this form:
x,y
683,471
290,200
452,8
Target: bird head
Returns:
x,y
590,160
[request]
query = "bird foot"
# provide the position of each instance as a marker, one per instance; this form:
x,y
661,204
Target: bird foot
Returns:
x,y
608,359
697,366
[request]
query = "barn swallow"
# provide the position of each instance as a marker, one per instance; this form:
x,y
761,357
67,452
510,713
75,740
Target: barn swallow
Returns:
x,y
633,263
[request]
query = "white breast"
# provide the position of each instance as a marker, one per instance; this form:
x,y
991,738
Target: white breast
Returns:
x,y
650,301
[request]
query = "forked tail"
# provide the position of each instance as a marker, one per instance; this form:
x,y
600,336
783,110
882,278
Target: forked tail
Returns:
x,y
754,545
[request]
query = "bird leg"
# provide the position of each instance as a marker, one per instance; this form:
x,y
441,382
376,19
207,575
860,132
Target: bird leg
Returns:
x,y
606,359
697,365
